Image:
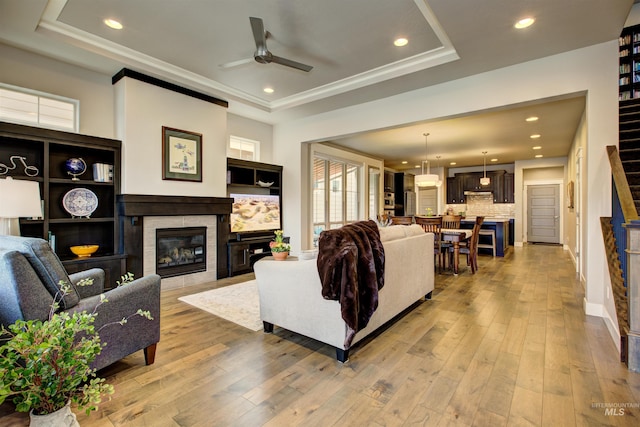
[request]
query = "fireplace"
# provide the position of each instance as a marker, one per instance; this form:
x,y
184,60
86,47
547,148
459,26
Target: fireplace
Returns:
x,y
181,251
141,215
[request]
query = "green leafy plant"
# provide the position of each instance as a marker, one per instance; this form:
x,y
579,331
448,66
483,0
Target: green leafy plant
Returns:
x,y
46,364
278,244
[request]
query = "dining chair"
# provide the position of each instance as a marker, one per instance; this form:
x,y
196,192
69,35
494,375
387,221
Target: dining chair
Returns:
x,y
434,225
470,248
451,221
402,220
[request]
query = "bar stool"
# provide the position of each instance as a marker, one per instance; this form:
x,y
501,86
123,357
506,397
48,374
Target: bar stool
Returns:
x,y
492,233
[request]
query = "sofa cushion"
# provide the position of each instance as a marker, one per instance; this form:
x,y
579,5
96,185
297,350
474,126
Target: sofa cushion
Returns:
x,y
413,230
392,232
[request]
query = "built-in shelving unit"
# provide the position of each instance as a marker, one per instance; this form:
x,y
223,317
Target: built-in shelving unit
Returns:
x,y
48,150
629,71
244,177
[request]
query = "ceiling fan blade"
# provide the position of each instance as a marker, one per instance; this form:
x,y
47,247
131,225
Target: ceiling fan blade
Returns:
x,y
259,35
290,63
236,63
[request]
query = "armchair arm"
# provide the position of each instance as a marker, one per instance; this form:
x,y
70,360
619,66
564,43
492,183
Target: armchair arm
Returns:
x,y
97,274
123,302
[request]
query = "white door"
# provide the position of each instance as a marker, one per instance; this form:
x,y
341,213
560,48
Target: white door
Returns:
x,y
543,213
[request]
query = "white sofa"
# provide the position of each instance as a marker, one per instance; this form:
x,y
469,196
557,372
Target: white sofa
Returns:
x,y
290,291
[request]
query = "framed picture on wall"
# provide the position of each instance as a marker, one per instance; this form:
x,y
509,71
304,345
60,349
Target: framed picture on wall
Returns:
x,y
181,155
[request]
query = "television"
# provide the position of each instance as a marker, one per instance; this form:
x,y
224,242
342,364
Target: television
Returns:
x,y
255,213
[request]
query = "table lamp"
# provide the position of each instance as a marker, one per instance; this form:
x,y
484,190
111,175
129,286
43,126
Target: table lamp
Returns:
x,y
19,199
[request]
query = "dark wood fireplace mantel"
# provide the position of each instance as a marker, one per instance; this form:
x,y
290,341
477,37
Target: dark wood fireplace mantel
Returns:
x,y
132,208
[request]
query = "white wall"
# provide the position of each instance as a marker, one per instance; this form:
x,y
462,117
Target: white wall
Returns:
x,y
141,112
592,70
28,70
251,129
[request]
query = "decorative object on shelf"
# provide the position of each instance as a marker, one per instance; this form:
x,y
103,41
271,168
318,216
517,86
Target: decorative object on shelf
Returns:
x,y
102,172
265,184
279,248
28,170
427,179
80,202
84,251
181,155
20,198
75,167
485,180
280,256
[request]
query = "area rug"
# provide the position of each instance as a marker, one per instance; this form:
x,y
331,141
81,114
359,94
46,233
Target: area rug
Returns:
x,y
237,303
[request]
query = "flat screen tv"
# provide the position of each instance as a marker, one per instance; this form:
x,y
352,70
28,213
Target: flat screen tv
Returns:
x,y
254,213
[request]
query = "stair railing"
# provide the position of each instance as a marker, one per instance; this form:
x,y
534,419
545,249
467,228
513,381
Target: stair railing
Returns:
x,y
625,280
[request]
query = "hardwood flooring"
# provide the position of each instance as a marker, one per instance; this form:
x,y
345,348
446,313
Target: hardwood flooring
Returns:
x,y
509,345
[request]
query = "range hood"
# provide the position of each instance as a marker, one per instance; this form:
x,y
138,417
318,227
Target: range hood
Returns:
x,y
478,193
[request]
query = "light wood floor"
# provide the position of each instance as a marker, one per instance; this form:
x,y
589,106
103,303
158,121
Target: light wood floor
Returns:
x,y
507,346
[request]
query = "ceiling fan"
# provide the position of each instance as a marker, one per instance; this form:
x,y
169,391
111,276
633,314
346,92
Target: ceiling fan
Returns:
x,y
262,54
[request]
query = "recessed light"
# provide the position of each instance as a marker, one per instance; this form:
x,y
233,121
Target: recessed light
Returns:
x,y
532,119
494,160
400,42
417,166
268,90
535,136
404,162
538,156
112,23
453,163
524,23
537,147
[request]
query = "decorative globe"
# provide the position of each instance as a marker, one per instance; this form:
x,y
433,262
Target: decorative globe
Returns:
x,y
75,166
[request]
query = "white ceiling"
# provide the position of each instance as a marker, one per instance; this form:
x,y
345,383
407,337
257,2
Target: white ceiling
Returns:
x,y
349,44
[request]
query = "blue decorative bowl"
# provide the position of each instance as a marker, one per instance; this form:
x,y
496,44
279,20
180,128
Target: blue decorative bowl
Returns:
x,y
75,166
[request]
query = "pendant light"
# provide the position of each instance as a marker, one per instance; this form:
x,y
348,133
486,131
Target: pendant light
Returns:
x,y
427,179
439,183
485,180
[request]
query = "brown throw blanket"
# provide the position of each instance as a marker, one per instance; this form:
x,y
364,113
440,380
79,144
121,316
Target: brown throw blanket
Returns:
x,y
351,268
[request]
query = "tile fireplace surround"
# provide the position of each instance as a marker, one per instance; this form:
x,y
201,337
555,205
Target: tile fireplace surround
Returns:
x,y
141,215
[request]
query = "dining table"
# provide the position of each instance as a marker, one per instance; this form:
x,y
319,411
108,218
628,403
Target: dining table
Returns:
x,y
455,236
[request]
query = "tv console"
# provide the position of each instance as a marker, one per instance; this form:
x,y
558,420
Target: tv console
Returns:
x,y
247,177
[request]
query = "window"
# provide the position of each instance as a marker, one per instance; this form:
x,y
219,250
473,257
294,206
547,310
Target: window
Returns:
x,y
243,148
29,107
337,203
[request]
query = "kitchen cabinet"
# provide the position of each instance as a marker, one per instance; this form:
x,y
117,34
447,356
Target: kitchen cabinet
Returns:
x,y
471,181
455,194
501,186
508,192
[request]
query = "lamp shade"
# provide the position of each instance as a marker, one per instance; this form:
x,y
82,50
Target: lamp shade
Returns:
x,y
19,199
427,180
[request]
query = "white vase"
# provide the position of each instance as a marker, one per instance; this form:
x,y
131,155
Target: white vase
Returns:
x,y
63,417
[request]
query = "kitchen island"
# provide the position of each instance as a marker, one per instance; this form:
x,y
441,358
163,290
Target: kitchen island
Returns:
x,y
501,227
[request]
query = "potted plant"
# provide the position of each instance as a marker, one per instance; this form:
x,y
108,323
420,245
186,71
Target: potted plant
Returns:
x,y
279,249
45,365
